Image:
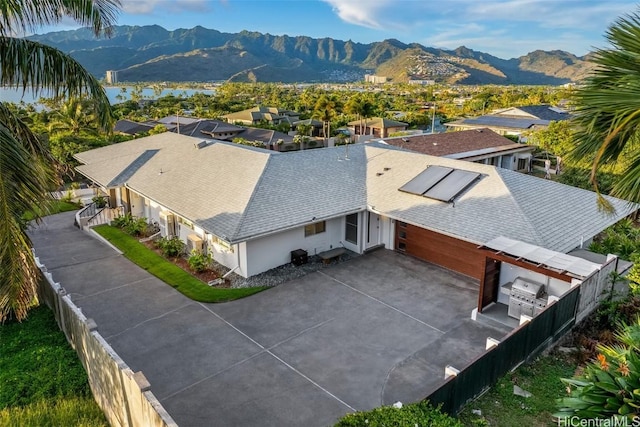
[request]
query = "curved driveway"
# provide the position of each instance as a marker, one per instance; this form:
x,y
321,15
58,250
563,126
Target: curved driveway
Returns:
x,y
374,330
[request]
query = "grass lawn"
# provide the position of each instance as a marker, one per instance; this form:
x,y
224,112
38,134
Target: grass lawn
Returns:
x,y
170,273
53,207
500,407
42,382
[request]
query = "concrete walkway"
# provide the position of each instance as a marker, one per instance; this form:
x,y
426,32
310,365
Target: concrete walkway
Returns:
x,y
371,331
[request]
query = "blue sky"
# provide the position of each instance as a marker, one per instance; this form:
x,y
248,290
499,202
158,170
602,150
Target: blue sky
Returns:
x,y
504,28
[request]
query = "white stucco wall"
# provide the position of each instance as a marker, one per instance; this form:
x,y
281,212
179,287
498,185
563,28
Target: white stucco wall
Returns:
x,y
387,232
223,255
275,250
153,213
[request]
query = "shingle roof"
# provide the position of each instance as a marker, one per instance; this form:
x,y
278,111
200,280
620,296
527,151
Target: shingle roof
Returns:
x,y
500,121
204,128
130,127
545,112
378,122
239,193
446,144
312,122
502,202
173,120
265,136
260,113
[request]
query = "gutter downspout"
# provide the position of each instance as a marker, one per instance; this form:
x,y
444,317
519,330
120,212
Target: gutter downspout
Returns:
x,y
224,276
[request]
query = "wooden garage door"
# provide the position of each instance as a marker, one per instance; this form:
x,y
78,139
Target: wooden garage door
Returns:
x,y
448,252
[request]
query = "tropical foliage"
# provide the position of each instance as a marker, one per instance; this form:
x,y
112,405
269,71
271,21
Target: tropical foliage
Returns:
x,y
607,116
170,246
622,239
199,261
609,386
414,414
26,172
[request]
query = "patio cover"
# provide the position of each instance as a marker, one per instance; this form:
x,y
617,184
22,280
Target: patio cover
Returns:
x,y
563,263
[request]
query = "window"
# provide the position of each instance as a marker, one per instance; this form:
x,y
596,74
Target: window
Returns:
x,y
185,222
221,245
315,228
522,164
351,229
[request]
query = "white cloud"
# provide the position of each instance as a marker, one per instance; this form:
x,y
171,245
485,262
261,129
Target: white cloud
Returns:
x,y
366,13
144,7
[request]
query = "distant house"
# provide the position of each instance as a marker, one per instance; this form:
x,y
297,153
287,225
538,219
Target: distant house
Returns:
x,y
376,127
316,126
259,114
514,120
210,129
129,127
478,145
219,130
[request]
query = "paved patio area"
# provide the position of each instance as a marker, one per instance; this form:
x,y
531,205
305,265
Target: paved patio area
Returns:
x,y
374,330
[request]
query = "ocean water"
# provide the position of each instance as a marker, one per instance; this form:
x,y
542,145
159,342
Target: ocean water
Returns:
x,y
114,93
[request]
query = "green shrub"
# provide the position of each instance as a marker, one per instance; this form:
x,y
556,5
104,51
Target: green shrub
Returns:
x,y
68,196
170,247
622,239
610,385
198,261
420,414
121,221
135,226
100,201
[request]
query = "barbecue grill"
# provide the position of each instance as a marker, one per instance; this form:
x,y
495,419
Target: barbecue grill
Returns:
x,y
526,297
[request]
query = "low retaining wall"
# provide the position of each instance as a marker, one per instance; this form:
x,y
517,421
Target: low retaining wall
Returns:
x,y
123,395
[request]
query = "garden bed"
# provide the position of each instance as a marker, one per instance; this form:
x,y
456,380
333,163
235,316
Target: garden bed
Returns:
x,y
168,272
181,261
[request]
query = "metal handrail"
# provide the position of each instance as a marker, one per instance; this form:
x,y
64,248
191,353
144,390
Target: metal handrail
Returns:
x,y
90,207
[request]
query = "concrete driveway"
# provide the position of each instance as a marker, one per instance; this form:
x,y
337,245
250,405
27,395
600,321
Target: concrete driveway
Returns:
x,y
374,330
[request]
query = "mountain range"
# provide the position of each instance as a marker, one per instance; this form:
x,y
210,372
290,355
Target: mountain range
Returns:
x,y
152,53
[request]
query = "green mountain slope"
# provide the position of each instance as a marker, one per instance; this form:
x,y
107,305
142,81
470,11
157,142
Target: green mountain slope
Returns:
x,y
149,53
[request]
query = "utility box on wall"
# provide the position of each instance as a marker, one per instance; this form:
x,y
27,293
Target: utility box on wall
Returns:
x,y
195,243
299,257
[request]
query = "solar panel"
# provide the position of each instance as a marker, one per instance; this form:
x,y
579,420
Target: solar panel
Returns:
x,y
451,185
425,180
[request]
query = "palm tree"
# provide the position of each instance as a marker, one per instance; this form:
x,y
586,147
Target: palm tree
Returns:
x,y
75,116
26,172
607,116
362,107
325,110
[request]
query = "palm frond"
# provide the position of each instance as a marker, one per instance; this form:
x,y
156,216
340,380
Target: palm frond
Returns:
x,y
28,16
30,65
24,180
21,131
607,115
